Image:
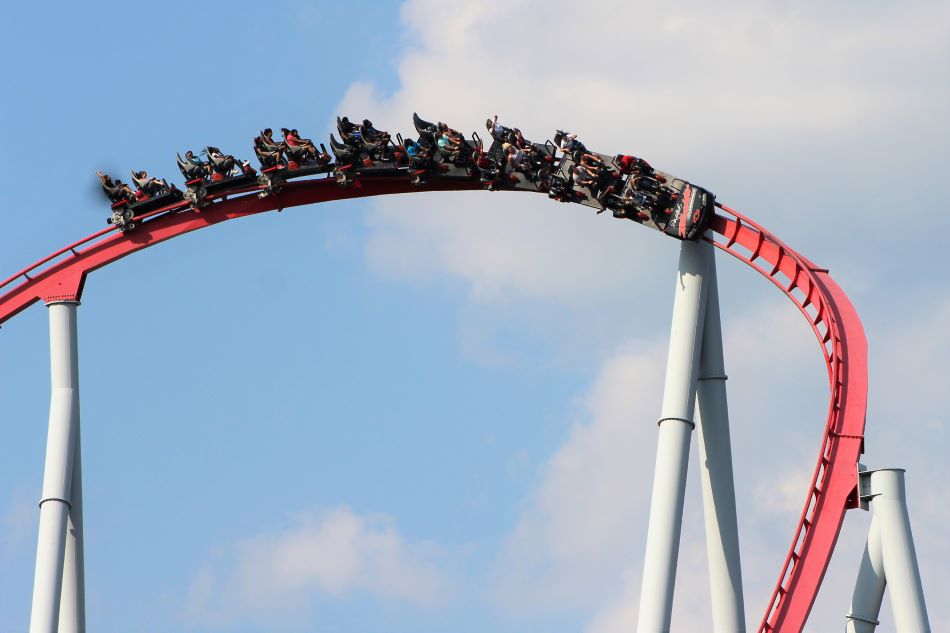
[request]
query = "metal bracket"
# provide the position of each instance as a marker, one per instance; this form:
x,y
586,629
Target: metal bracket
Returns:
x,y
851,616
689,422
864,488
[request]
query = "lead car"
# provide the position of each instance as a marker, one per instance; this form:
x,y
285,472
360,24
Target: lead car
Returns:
x,y
691,212
663,202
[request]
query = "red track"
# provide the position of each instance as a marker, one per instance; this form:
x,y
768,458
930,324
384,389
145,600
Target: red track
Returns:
x,y
833,319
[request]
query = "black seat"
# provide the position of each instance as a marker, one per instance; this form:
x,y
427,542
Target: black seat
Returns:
x,y
343,153
191,171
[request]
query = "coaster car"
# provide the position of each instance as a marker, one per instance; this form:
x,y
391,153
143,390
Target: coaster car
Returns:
x,y
355,160
152,194
692,209
220,173
660,201
587,178
530,166
537,162
449,159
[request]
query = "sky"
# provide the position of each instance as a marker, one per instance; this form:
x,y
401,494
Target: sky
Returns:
x,y
438,411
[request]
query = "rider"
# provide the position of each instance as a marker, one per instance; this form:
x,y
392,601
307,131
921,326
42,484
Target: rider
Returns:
x,y
583,175
150,186
379,139
417,154
224,164
116,191
450,142
593,162
267,135
371,134
629,164
268,150
570,146
514,159
194,160
293,140
347,129
519,141
497,131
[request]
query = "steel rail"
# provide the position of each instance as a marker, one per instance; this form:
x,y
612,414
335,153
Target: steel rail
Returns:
x,y
832,317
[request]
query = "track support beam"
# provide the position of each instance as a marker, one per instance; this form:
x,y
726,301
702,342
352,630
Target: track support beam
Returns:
x,y
57,600
676,425
715,467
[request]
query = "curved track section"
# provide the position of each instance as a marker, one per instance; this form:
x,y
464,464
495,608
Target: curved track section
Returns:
x,y
833,319
833,487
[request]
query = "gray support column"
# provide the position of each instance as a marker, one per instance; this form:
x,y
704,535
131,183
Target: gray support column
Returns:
x,y
715,456
897,547
676,425
72,609
890,559
58,473
869,587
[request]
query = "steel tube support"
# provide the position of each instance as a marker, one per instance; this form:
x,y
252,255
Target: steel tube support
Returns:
x,y
72,609
869,587
58,473
890,559
715,453
897,547
676,425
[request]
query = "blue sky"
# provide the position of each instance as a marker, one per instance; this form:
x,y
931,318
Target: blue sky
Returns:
x,y
438,411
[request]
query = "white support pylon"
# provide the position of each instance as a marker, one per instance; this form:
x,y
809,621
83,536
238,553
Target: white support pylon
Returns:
x,y
72,604
715,467
676,425
890,559
59,470
869,587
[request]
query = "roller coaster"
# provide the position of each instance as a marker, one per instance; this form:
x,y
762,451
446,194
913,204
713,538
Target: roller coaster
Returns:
x,y
367,162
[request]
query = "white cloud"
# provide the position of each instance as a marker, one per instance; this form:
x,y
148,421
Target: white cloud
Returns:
x,y
19,523
587,509
278,578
